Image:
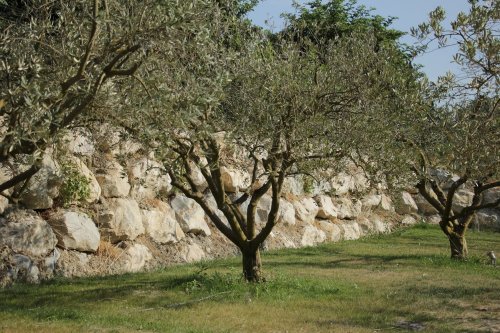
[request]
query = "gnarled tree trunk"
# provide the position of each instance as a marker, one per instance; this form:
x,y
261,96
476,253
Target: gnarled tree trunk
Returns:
x,y
252,265
458,246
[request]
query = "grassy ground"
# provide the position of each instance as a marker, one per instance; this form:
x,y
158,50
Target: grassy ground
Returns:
x,y
394,283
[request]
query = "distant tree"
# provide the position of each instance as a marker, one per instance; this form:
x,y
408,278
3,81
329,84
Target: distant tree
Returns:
x,y
453,125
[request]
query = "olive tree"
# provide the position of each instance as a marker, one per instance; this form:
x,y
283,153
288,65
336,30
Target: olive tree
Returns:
x,y
452,125
63,62
284,108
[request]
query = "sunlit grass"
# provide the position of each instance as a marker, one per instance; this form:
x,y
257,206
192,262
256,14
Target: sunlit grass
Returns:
x,y
383,283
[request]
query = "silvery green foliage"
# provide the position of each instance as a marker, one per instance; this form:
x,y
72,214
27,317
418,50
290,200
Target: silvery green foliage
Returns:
x,y
64,63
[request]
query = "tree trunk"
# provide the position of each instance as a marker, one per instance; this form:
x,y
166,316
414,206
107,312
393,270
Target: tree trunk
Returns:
x,y
458,246
252,265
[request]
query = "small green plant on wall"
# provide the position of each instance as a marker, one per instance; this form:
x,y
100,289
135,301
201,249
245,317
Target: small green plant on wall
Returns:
x,y
75,186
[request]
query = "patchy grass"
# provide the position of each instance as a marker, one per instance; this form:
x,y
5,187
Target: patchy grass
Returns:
x,y
397,283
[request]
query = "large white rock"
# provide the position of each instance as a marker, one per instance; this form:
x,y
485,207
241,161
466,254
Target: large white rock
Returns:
x,y
286,212
27,233
162,226
4,203
193,253
489,219
406,205
135,258
306,210
120,219
386,203
75,231
234,179
491,195
350,230
331,230
25,269
148,179
312,236
44,186
326,208
347,209
371,200
79,142
190,216
408,220
113,180
462,199
354,181
293,185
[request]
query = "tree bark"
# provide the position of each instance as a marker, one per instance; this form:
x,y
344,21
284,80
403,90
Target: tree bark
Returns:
x,y
458,246
252,265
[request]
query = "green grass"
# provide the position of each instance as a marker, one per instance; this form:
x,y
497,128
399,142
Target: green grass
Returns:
x,y
378,284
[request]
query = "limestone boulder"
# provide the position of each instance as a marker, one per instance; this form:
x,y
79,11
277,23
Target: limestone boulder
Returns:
x,y
462,199
409,220
79,142
120,219
234,179
4,203
113,180
433,219
24,269
286,212
488,219
406,204
312,236
162,226
331,230
26,233
306,210
371,201
491,195
75,231
135,258
386,203
190,216
347,209
294,185
148,179
327,209
350,230
193,253
44,186
352,181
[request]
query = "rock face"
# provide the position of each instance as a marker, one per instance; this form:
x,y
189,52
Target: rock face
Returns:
x,y
192,253
312,236
161,226
136,257
148,179
75,231
327,210
120,219
234,180
350,231
286,212
190,216
306,210
347,209
79,142
407,205
113,180
462,199
331,230
27,233
44,186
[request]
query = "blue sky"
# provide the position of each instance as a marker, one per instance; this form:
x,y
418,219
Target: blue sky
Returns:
x,y
409,12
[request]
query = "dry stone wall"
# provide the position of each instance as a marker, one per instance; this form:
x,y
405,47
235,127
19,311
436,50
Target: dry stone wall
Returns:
x,y
132,220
